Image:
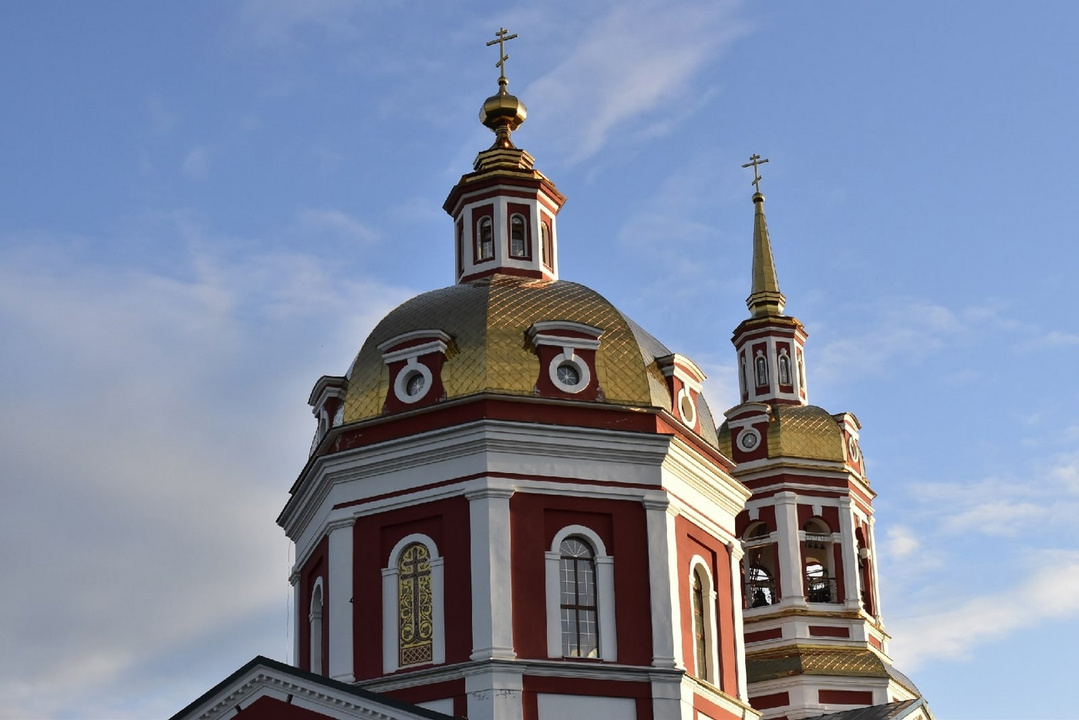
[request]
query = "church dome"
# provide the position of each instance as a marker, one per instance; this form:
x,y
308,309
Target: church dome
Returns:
x,y
803,431
486,324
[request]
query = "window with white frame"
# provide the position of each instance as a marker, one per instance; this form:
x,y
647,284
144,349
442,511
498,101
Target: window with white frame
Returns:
x,y
761,368
314,619
703,598
485,240
580,596
413,618
518,236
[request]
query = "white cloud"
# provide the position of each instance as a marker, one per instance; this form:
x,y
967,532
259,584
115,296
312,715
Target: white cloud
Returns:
x,y
145,419
633,63
900,542
900,330
958,630
196,163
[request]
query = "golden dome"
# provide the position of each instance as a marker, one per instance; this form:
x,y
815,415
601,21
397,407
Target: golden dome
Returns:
x,y
802,431
489,351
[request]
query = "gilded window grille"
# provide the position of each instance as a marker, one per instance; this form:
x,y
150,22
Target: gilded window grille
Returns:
x,y
415,606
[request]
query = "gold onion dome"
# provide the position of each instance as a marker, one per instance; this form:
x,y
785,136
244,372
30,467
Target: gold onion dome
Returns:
x,y
503,113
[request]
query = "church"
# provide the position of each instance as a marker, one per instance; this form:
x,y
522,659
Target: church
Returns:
x,y
518,506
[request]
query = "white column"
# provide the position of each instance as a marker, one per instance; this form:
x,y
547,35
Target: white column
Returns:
x,y
492,609
390,648
339,606
294,580
663,582
849,553
735,550
790,554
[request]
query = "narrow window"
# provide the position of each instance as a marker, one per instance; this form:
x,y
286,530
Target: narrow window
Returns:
x,y
485,244
518,242
761,366
784,369
415,606
580,631
545,244
315,626
700,634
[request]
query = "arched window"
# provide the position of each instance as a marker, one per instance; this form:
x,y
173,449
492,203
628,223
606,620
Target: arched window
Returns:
x,y
518,236
784,369
580,596
703,599
413,620
761,366
743,377
760,587
315,628
700,637
415,611
819,583
545,244
580,630
485,243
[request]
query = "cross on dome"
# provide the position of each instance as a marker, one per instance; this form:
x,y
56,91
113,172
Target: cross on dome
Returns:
x,y
501,39
756,162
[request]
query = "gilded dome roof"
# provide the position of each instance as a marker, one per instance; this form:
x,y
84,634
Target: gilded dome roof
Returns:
x,y
802,431
489,351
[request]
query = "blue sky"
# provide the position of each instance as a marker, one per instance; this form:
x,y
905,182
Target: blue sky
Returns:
x,y
205,206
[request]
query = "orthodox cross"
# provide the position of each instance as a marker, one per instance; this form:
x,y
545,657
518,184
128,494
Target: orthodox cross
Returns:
x,y
501,39
756,162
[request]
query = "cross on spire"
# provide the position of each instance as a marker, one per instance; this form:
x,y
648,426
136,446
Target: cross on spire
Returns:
x,y
501,38
756,162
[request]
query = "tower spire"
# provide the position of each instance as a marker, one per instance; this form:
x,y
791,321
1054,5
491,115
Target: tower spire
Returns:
x,y
764,298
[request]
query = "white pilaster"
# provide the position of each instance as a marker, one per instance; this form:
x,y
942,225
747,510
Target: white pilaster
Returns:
x,y
339,608
873,570
294,580
849,553
492,609
494,694
663,582
790,555
735,551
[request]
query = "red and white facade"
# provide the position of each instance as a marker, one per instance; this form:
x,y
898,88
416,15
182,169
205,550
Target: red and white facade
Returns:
x,y
574,557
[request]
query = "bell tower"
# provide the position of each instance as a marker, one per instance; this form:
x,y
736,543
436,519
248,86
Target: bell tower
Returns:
x,y
814,636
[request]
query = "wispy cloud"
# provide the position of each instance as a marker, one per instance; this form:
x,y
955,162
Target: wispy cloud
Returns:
x,y
631,66
283,22
957,631
196,163
136,407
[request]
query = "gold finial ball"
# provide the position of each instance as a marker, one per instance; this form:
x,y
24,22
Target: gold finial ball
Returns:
x,y
503,110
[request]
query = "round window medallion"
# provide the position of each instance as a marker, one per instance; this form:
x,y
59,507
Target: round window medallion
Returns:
x,y
412,383
686,407
569,373
415,384
853,449
749,439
